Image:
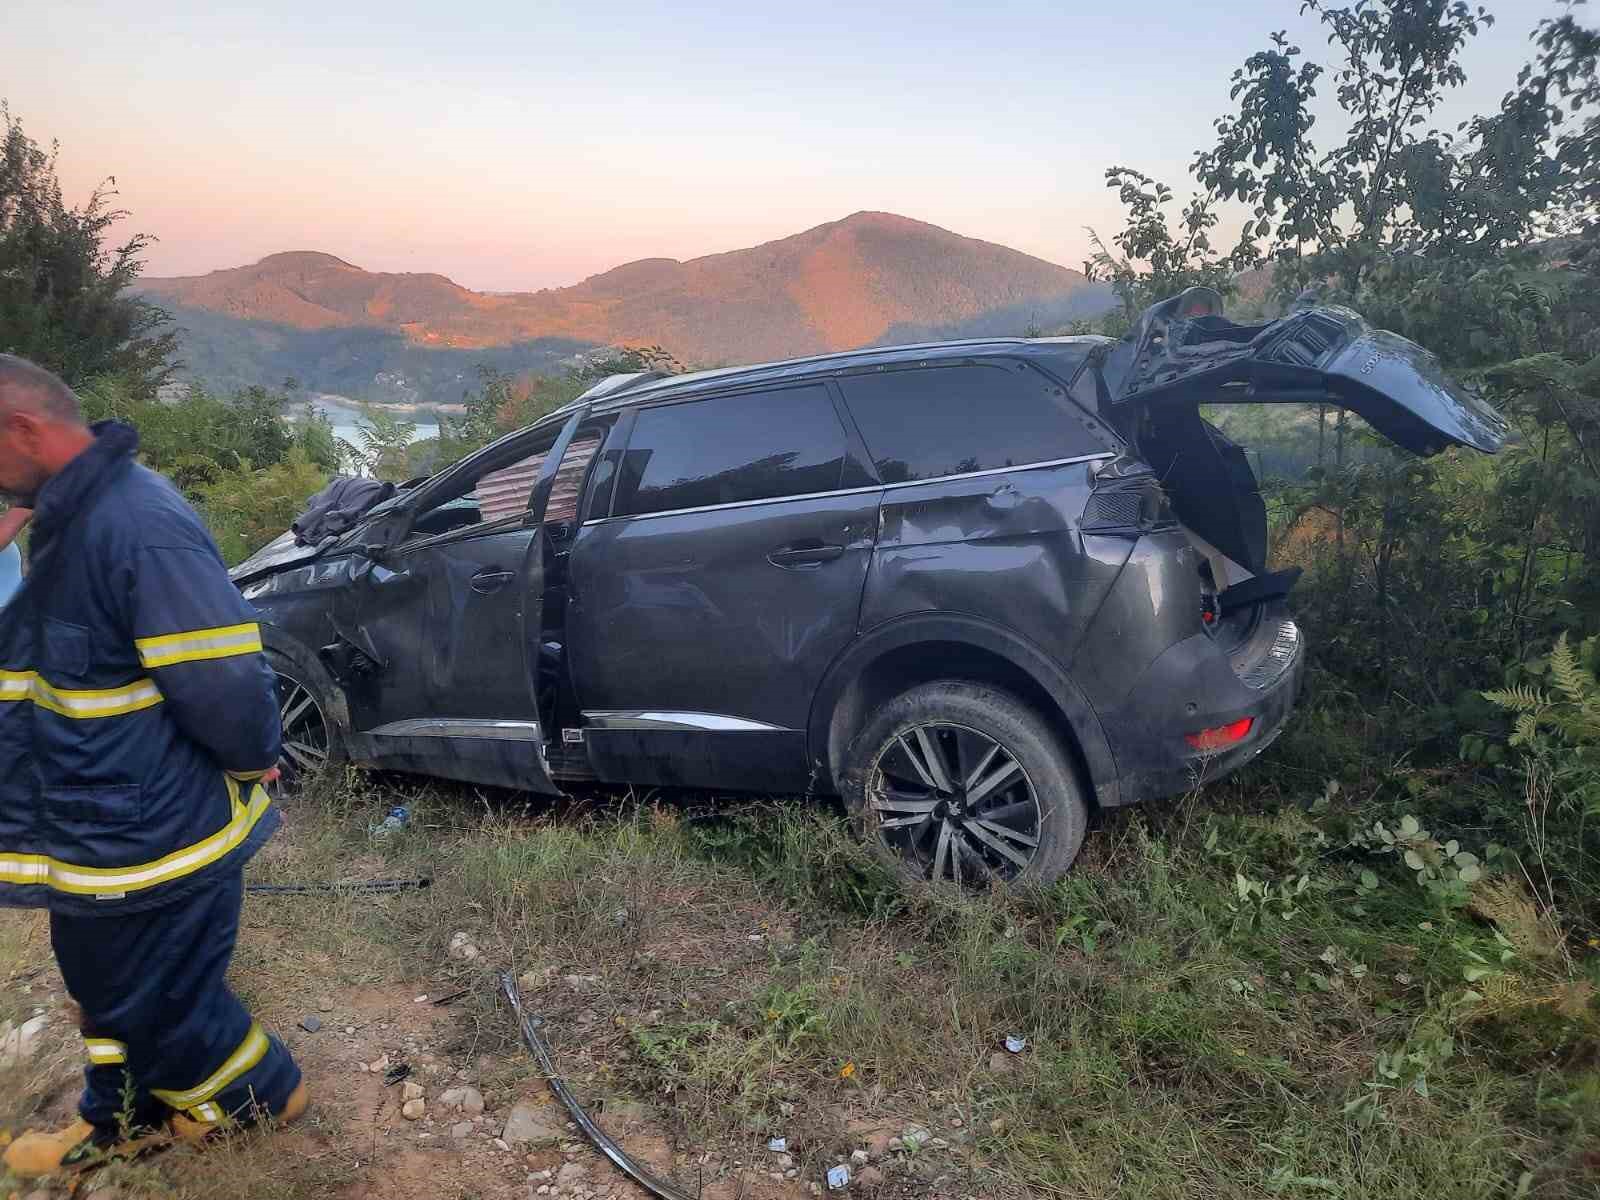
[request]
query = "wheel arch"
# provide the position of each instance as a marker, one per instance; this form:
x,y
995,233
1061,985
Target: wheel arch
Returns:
x,y
336,708
925,647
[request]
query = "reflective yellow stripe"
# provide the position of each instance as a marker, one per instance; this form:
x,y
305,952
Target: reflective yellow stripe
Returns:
x,y
98,881
248,776
198,645
79,704
208,1113
251,1051
104,1052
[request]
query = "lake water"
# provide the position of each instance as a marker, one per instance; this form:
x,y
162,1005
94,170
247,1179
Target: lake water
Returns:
x,y
347,424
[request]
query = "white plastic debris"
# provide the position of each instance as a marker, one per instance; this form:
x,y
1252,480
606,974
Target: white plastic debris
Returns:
x,y
1016,1045
778,1145
838,1178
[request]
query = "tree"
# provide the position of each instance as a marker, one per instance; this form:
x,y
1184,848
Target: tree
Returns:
x,y
64,291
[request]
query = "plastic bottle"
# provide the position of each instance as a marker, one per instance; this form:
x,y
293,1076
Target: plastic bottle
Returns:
x,y
397,819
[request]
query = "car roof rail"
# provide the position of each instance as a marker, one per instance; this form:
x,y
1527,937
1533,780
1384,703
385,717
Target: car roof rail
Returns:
x,y
611,385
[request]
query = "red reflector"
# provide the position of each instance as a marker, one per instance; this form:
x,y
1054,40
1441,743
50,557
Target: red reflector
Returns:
x,y
1222,735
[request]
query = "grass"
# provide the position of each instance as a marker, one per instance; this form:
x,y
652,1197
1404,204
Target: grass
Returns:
x,y
1225,998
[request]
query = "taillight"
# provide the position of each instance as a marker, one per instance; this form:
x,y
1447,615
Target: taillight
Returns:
x,y
1222,736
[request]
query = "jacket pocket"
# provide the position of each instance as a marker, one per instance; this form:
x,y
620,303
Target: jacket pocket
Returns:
x,y
85,810
66,651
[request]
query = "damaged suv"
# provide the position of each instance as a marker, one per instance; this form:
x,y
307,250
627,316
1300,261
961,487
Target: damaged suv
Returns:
x,y
974,587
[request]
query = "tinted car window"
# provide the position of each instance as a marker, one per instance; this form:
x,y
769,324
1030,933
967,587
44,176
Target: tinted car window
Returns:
x,y
753,446
926,422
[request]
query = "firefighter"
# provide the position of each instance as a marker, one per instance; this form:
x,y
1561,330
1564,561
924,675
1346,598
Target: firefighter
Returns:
x,y
138,718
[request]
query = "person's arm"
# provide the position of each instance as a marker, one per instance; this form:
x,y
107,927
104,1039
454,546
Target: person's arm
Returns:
x,y
199,641
11,524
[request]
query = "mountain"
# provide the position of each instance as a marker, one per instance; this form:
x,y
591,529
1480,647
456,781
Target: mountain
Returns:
x,y
869,278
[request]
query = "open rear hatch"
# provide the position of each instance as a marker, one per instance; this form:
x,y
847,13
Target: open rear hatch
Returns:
x,y
1184,353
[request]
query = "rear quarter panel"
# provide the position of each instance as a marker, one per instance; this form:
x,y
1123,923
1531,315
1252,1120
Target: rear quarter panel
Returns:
x,y
1004,546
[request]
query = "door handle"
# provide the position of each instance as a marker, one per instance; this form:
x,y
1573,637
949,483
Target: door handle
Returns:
x,y
805,554
485,582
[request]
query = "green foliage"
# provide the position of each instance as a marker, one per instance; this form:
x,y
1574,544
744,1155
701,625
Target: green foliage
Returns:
x,y
64,299
384,452
246,507
236,458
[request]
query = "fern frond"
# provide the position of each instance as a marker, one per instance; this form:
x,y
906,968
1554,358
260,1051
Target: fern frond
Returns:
x,y
1520,698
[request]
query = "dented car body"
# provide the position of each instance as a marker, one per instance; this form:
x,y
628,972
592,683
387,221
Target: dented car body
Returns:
x,y
974,587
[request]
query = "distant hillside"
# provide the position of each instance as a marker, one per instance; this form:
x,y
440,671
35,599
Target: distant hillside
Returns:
x,y
869,278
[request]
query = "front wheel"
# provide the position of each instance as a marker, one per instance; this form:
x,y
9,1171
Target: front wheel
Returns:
x,y
962,783
310,740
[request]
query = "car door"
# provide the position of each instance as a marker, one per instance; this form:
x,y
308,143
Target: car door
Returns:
x,y
723,579
450,619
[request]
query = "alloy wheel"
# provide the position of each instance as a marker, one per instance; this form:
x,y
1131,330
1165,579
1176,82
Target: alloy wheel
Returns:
x,y
955,805
305,733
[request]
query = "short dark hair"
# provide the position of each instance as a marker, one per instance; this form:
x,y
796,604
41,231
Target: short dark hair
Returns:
x,y
26,385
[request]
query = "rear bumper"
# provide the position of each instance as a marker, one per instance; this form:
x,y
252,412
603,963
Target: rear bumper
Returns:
x,y
1189,688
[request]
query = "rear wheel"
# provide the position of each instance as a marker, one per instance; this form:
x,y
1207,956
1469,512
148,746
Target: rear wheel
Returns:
x,y
309,738
962,783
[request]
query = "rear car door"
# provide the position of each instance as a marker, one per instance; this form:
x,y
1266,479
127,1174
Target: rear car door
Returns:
x,y
722,580
452,619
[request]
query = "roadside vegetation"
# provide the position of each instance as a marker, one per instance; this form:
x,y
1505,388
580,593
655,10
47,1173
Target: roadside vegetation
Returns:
x,y
1366,967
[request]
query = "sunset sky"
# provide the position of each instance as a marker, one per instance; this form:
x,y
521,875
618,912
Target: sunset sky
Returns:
x,y
526,145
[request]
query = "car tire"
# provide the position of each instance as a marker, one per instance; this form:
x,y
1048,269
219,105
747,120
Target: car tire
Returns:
x,y
312,710
941,780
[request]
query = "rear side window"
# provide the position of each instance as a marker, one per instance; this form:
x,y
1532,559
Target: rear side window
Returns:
x,y
931,421
755,446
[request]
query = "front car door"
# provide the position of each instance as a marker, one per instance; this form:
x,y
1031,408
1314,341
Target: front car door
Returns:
x,y
723,579
450,620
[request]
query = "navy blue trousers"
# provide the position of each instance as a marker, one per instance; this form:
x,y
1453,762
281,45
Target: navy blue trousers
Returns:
x,y
162,1030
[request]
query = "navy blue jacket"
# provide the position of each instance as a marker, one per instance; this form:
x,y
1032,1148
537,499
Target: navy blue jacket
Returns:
x,y
136,707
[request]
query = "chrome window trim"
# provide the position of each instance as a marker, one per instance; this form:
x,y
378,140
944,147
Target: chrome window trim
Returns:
x,y
856,491
671,719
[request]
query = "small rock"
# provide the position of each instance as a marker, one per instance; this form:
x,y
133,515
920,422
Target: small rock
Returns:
x,y
412,1110
998,1125
349,1030
1001,1063
939,1144
471,1101
380,1066
18,1044
311,1023
542,1190
361,1068
411,1091
878,1145
895,1145
860,1157
571,1174
501,1144
451,1097
956,1122
461,1129
325,1004
786,1160
526,1125
422,999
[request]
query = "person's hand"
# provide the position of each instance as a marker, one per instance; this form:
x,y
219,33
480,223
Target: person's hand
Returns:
x,y
272,776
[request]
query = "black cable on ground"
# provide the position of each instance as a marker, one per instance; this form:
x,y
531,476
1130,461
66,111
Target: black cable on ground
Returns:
x,y
541,1051
351,885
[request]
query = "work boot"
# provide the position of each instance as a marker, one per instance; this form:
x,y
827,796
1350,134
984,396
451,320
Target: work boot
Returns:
x,y
187,1129
76,1147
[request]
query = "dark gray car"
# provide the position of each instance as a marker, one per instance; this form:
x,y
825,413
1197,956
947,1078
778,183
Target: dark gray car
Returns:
x,y
974,587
